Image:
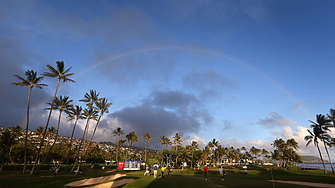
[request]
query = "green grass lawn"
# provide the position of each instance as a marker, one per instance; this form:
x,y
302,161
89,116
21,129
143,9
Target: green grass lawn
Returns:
x,y
259,177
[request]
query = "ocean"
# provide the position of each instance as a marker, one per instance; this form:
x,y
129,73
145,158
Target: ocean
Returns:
x,y
316,165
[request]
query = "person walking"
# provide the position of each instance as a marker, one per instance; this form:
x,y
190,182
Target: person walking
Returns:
x,y
56,171
222,173
147,171
155,170
245,172
206,172
162,170
168,169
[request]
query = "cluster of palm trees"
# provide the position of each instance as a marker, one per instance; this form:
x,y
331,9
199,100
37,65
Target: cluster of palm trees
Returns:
x,y
130,138
320,132
7,140
285,152
96,107
213,153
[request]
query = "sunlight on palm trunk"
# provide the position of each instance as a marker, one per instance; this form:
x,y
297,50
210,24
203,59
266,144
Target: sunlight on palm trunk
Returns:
x,y
45,130
31,81
60,74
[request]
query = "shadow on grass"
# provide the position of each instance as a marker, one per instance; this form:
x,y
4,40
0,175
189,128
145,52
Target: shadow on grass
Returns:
x,y
214,181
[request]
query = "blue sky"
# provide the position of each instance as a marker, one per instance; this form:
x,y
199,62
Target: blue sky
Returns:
x,y
242,72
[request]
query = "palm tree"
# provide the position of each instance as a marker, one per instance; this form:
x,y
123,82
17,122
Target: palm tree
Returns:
x,y
176,143
74,114
7,140
320,128
32,80
131,138
117,132
134,138
164,141
102,105
255,151
61,74
331,116
264,153
120,143
147,138
193,146
89,113
281,146
313,138
291,143
213,144
91,98
39,132
16,132
61,104
176,140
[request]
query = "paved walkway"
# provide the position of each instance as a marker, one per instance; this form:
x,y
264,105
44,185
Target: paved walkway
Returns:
x,y
306,183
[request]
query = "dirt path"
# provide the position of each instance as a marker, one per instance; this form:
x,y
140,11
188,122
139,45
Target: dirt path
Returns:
x,y
306,183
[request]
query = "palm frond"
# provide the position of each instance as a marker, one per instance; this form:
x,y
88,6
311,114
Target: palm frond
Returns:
x,y
60,66
67,70
53,72
65,79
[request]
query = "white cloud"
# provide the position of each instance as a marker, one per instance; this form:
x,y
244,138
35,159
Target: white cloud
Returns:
x,y
298,135
202,143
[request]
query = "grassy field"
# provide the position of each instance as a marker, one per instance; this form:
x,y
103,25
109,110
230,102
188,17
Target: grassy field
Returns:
x,y
257,177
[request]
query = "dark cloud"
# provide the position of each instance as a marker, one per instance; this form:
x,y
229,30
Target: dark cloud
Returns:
x,y
154,120
172,99
161,113
14,58
209,83
275,120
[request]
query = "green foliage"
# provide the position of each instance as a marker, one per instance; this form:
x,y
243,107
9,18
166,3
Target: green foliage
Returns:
x,y
151,162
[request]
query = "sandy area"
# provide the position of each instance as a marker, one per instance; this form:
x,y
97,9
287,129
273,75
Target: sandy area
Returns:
x,y
113,183
92,181
306,183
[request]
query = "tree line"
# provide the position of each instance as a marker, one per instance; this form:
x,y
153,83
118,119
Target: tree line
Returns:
x,y
172,152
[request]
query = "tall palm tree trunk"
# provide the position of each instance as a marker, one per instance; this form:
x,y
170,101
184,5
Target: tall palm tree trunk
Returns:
x,y
330,160
82,143
145,152
45,131
53,144
324,167
26,137
117,150
70,145
90,142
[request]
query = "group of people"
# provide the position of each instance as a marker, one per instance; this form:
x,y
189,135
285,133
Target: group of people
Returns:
x,y
167,169
163,169
222,172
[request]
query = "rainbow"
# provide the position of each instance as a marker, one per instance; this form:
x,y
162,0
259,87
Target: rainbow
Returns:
x,y
189,49
186,49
